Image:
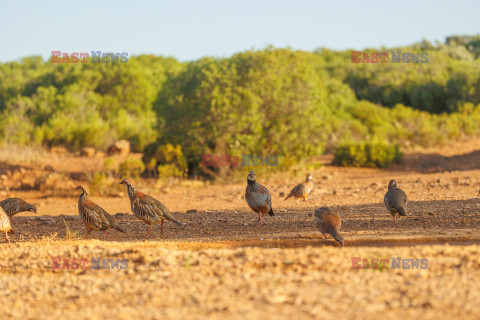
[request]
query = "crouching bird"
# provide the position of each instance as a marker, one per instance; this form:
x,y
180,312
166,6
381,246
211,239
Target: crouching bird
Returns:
x,y
395,200
328,222
258,197
5,225
94,216
148,209
12,206
303,189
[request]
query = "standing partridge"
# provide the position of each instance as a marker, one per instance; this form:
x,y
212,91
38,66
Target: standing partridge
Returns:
x,y
395,200
258,197
303,189
94,217
328,222
148,209
12,206
5,225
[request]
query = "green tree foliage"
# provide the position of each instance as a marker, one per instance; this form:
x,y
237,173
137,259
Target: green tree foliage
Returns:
x,y
270,102
366,154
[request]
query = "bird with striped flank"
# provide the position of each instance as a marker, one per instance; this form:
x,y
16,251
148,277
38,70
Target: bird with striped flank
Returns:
x,y
303,189
5,225
148,209
395,200
94,216
329,223
12,206
258,197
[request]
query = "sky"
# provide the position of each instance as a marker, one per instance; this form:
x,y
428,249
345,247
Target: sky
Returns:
x,y
188,30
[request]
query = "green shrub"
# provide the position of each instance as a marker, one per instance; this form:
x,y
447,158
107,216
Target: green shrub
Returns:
x,y
131,167
366,154
164,160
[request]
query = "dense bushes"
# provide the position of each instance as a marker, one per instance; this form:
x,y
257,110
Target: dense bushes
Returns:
x,y
366,154
272,102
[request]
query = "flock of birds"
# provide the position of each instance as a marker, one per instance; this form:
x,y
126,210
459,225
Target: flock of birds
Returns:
x,y
151,211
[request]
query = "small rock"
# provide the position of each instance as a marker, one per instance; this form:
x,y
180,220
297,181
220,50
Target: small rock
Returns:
x,y
281,194
88,152
68,218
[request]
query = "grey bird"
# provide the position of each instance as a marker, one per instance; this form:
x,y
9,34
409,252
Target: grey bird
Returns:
x,y
329,223
395,200
303,189
148,209
94,217
12,206
258,198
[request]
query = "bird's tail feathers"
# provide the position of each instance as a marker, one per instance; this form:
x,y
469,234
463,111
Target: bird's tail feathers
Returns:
x,y
337,237
169,217
401,212
116,226
271,211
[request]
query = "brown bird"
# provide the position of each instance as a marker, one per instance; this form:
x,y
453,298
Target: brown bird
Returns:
x,y
5,225
148,209
328,222
94,217
12,206
395,200
303,189
258,197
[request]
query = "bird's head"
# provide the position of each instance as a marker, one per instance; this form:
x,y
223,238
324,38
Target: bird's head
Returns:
x,y
340,240
320,212
126,183
392,184
309,177
251,178
83,188
31,208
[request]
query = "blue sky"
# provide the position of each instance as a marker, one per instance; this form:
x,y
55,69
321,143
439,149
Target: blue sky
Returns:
x,y
188,30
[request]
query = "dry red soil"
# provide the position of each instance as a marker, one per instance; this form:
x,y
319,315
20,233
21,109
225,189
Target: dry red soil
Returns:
x,y
222,264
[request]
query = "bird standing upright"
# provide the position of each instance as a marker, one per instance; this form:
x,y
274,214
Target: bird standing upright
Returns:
x,y
148,209
328,222
94,216
395,200
5,225
12,206
258,197
303,189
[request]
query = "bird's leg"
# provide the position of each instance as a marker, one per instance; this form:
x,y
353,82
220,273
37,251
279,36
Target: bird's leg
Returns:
x,y
161,227
6,238
86,233
305,198
106,235
297,200
149,229
260,219
395,220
